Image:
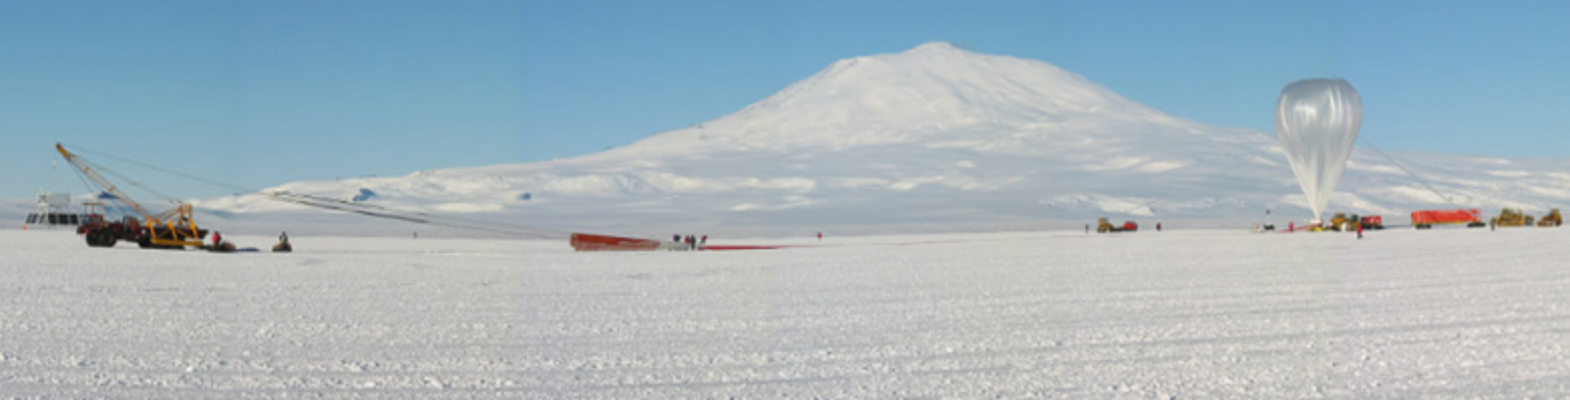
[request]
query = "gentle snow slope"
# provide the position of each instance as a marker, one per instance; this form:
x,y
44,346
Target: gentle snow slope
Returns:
x,y
1186,314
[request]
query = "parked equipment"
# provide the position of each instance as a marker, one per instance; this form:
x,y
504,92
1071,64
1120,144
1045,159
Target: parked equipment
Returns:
x,y
1343,222
1426,219
1372,222
172,229
1349,223
1103,226
1551,220
1511,218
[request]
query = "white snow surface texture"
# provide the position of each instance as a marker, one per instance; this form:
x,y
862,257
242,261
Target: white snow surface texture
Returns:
x,y
935,136
1201,314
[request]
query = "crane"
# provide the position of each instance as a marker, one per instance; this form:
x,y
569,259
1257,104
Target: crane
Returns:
x,y
172,229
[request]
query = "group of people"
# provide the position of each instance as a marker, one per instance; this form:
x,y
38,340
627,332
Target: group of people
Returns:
x,y
221,245
693,243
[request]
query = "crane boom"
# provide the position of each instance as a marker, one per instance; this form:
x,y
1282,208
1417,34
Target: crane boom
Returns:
x,y
103,183
171,230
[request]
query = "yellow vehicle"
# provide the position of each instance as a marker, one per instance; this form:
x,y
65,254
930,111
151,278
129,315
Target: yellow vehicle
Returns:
x,y
1511,218
1551,220
1341,222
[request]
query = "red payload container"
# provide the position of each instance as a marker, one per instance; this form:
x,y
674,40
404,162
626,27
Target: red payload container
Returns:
x,y
1130,226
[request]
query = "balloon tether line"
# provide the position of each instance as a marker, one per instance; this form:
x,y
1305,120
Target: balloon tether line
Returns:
x,y
1409,172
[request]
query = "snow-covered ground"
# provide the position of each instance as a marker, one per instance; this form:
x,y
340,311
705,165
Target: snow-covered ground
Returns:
x,y
1446,313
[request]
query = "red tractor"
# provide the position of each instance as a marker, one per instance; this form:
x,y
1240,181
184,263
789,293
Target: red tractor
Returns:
x,y
1372,222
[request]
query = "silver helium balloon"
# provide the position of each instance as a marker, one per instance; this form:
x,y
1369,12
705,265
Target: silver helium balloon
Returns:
x,y
1317,122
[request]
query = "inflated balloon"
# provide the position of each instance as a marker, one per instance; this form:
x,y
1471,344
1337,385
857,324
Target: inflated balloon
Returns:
x,y
1317,122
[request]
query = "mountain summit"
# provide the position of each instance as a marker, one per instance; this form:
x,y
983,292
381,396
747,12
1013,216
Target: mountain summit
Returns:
x,y
929,90
935,136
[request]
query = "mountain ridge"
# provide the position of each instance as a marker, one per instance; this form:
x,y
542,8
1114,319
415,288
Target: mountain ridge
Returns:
x,y
892,98
935,136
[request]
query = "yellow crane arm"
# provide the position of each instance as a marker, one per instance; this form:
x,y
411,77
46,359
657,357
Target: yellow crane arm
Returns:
x,y
104,183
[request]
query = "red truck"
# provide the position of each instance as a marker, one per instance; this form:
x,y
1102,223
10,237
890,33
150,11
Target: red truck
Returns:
x,y
1425,219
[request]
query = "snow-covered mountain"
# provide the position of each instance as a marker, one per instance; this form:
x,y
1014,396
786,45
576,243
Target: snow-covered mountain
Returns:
x,y
934,137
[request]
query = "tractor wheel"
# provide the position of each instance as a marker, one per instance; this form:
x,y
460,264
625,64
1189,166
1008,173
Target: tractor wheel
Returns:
x,y
100,238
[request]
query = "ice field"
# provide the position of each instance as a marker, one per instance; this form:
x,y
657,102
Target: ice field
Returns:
x,y
1447,313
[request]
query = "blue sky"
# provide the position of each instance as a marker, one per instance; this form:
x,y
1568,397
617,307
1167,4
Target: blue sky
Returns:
x,y
262,93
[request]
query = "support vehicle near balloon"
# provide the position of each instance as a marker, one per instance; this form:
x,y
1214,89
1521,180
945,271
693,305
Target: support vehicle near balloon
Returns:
x,y
1512,218
1348,223
1553,219
1516,218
